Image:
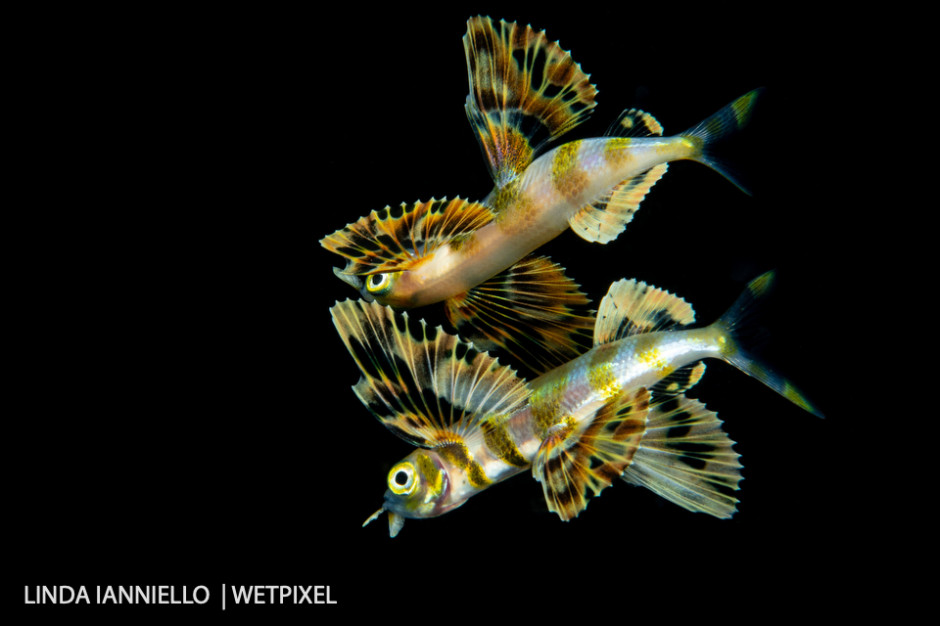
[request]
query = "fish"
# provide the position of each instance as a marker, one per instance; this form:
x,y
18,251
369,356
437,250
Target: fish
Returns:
x,y
617,411
479,258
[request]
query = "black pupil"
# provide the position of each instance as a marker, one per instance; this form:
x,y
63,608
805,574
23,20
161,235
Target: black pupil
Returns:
x,y
401,477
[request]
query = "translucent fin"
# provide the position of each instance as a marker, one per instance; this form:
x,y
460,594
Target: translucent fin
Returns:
x,y
575,464
740,340
532,311
424,385
373,517
679,381
686,458
395,523
709,135
603,220
396,238
632,308
635,123
524,91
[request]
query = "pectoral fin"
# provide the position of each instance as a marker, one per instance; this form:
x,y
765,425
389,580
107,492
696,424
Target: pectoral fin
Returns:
x,y
532,310
524,91
424,385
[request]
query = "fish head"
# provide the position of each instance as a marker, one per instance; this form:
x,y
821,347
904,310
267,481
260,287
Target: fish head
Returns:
x,y
391,254
418,487
392,288
400,289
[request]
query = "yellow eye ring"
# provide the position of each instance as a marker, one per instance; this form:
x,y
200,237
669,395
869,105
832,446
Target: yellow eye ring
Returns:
x,y
377,282
402,480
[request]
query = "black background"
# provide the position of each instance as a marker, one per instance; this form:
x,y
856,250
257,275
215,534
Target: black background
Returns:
x,y
185,414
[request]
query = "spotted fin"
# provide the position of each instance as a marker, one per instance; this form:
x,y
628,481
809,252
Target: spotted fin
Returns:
x,y
575,463
632,308
635,123
687,458
604,219
532,311
397,238
679,381
524,91
426,386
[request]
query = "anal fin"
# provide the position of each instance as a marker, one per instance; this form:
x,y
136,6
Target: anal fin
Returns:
x,y
604,219
679,381
575,463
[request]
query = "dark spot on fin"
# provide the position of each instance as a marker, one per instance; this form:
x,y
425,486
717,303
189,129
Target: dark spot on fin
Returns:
x,y
631,307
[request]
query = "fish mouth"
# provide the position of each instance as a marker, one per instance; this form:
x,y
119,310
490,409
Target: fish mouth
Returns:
x,y
353,281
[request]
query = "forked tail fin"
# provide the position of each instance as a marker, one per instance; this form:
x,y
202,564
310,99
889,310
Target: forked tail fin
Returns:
x,y
710,135
738,337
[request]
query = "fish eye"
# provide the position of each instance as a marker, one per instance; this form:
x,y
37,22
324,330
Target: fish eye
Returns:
x,y
401,480
377,282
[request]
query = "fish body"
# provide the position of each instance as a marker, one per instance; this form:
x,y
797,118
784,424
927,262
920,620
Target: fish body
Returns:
x,y
525,92
530,212
568,397
616,411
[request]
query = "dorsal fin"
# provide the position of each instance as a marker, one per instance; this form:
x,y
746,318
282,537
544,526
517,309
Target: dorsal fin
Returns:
x,y
532,310
635,123
687,458
576,462
396,238
632,307
605,218
524,91
426,386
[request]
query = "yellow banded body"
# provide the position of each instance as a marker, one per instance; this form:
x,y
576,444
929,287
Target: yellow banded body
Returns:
x,y
534,209
568,395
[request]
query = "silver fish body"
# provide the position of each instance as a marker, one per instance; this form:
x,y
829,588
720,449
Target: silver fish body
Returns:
x,y
616,411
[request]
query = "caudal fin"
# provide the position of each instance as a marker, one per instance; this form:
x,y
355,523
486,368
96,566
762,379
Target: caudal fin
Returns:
x,y
710,135
739,337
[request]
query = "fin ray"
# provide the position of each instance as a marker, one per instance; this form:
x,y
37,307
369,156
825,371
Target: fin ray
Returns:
x,y
687,458
603,220
631,308
679,381
524,91
423,384
396,238
574,465
533,311
635,123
